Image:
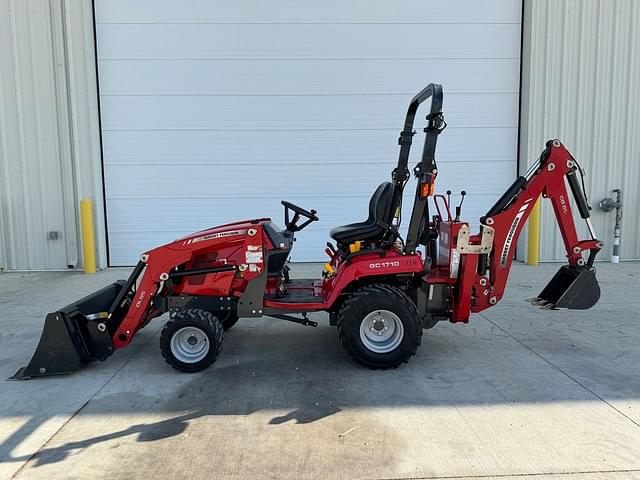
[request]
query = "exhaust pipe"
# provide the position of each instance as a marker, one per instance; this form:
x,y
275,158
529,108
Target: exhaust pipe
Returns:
x,y
75,335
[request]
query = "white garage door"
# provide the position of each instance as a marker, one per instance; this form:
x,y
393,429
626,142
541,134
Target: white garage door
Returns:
x,y
215,111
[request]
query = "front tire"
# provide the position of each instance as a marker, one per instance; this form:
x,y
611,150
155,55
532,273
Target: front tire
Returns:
x,y
191,340
379,326
228,320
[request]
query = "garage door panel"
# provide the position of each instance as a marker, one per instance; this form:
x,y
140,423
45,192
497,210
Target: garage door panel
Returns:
x,y
305,77
216,211
328,11
228,182
247,148
312,41
341,148
130,237
295,113
212,212
276,181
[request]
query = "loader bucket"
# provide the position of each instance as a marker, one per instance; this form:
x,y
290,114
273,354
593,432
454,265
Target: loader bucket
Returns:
x,y
74,335
571,287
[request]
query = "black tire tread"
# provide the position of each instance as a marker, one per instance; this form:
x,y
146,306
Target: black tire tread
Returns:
x,y
362,295
202,318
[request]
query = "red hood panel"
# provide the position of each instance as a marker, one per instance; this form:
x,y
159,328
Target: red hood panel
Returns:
x,y
227,227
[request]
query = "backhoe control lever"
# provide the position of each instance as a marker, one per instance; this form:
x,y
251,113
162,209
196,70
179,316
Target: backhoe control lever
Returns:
x,y
459,207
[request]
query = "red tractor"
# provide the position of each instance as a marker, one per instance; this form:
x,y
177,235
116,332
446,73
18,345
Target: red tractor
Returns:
x,y
380,289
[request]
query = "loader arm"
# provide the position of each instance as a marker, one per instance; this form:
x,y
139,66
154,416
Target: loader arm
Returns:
x,y
486,258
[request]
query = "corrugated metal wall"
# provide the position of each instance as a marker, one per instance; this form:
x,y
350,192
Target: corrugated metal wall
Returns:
x,y
581,77
49,133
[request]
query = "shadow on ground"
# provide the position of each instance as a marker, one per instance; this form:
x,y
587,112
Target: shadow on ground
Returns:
x,y
300,375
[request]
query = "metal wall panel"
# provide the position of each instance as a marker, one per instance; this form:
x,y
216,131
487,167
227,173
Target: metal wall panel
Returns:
x,y
49,133
34,176
581,72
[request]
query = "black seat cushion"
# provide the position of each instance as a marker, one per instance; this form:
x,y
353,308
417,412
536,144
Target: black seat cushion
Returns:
x,y
380,215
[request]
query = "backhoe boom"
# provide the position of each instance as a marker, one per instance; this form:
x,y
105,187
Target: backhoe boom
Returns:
x,y
483,276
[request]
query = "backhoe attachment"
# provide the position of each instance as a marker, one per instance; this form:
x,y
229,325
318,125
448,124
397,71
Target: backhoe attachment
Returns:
x,y
484,272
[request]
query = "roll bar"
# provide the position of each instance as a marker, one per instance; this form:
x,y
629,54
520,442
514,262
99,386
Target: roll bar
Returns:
x,y
434,91
426,170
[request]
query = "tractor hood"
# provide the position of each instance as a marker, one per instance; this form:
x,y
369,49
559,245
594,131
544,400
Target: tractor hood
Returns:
x,y
222,230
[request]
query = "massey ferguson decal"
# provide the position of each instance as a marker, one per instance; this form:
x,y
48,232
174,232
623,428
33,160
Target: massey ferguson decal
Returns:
x,y
512,232
213,236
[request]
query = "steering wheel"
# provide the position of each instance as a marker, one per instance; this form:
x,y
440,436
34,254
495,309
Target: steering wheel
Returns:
x,y
292,225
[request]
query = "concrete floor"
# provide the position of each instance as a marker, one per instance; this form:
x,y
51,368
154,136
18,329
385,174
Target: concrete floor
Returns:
x,y
518,393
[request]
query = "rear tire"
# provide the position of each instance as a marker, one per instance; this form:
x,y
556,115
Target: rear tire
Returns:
x,y
191,340
379,326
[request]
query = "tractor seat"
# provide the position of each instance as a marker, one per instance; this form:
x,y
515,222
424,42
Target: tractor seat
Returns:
x,y
380,215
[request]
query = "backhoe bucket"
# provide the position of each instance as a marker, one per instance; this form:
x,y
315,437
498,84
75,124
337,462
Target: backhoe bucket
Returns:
x,y
575,288
74,335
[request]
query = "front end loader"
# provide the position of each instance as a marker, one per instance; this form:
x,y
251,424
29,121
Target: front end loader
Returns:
x,y
380,289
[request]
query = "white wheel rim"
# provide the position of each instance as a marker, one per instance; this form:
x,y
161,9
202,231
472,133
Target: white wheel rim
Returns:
x,y
381,331
189,345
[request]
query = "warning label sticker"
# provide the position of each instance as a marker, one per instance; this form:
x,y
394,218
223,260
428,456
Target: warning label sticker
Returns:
x,y
253,254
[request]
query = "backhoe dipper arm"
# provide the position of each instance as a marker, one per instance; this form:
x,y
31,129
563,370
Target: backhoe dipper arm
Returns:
x,y
504,222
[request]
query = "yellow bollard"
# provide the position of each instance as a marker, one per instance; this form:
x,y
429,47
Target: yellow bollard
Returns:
x,y
533,250
88,241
